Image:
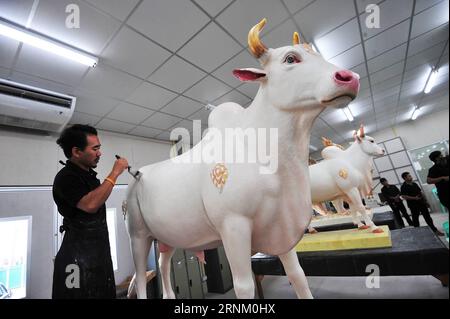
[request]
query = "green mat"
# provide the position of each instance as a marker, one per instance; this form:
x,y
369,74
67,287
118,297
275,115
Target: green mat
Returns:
x,y
435,195
445,225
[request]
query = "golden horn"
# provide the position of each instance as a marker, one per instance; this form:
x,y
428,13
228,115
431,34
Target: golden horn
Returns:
x,y
326,142
361,131
256,46
296,38
308,47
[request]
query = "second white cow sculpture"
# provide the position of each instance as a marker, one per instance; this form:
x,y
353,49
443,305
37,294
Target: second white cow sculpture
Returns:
x,y
347,174
179,203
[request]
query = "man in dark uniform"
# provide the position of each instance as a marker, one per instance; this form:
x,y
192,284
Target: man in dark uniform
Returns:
x,y
438,175
392,195
417,202
83,266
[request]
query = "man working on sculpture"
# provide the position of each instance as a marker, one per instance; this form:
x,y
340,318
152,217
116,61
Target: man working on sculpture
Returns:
x,y
83,266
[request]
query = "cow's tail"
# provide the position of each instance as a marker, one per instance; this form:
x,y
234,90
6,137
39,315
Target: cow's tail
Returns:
x,y
130,193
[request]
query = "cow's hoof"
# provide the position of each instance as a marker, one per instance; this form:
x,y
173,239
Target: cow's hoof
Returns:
x,y
363,227
377,231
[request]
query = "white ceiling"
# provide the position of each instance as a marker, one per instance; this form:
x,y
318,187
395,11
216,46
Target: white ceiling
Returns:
x,y
162,61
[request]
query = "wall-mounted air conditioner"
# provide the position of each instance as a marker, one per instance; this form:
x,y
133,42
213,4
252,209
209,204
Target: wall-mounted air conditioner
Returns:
x,y
31,107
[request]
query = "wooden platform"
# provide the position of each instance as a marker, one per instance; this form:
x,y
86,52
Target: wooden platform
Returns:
x,y
345,239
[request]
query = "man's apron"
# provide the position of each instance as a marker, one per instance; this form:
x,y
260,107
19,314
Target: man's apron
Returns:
x,y
84,247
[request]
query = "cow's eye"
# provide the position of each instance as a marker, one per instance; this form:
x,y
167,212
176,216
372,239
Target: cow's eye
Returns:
x,y
291,59
371,141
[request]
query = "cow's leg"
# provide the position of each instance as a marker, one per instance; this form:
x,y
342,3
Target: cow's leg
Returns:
x,y
140,247
319,209
357,206
164,266
295,274
356,219
339,205
236,238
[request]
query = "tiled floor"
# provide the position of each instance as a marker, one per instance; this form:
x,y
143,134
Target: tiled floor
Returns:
x,y
408,287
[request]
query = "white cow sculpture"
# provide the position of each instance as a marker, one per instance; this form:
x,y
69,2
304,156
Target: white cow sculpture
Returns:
x,y
346,174
331,149
179,204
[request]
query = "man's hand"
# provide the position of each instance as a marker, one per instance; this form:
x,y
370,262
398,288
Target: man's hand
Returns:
x,y
120,165
91,202
437,179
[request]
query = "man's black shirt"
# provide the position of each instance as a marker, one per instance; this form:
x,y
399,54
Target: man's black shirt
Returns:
x,y
412,190
390,191
70,185
438,170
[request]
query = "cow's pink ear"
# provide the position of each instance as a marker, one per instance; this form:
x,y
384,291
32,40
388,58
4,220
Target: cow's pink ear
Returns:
x,y
249,74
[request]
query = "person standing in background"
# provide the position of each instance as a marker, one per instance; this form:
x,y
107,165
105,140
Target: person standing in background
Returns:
x,y
392,195
417,203
438,175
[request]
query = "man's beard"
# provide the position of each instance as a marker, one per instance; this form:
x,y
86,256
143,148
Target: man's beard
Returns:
x,y
94,165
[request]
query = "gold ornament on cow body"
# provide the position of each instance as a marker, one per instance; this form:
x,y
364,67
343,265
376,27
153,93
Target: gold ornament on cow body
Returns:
x,y
219,176
343,173
255,45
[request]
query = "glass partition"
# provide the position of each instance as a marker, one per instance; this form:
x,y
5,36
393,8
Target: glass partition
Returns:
x,y
421,162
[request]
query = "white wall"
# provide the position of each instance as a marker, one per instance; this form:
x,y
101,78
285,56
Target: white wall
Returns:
x,y
31,159
421,132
